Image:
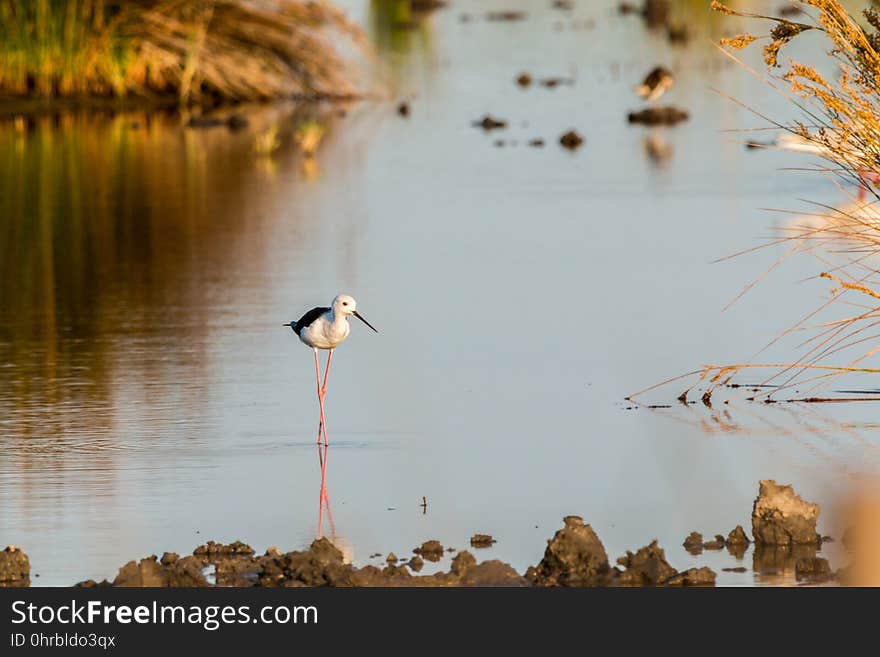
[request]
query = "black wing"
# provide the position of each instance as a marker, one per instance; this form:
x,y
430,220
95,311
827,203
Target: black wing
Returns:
x,y
307,319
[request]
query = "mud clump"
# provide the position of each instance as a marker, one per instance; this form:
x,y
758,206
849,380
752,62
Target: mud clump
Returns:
x,y
694,543
92,584
781,517
668,115
647,567
737,542
169,558
574,557
812,569
571,140
489,122
488,573
430,550
391,558
482,541
151,573
416,563
737,536
403,109
523,80
212,549
693,577
536,143
716,544
462,562
15,568
321,565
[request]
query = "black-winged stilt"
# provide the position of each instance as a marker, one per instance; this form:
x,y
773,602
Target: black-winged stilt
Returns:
x,y
326,328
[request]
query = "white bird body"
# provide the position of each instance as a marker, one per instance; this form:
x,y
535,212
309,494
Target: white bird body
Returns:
x,y
327,332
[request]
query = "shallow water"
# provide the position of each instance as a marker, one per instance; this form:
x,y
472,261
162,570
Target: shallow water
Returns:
x,y
150,400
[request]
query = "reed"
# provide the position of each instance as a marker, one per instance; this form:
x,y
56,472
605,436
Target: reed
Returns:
x,y
193,51
839,117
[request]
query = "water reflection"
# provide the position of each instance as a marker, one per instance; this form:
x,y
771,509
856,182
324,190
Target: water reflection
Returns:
x,y
116,235
324,497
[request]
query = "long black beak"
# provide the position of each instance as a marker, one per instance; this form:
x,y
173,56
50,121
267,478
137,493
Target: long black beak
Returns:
x,y
358,315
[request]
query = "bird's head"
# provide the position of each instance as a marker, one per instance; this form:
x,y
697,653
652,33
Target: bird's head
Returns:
x,y
345,305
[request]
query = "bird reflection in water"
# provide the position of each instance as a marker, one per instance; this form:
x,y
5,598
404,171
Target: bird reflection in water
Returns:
x,y
324,498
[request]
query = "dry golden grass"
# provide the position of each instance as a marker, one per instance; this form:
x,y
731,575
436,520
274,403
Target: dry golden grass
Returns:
x,y
841,120
197,51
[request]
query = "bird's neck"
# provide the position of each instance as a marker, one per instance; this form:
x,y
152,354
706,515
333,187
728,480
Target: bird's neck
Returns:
x,y
336,318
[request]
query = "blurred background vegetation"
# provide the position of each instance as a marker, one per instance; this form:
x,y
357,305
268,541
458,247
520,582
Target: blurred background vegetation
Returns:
x,y
197,51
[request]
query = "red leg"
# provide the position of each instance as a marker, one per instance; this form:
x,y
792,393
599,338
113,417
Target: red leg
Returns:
x,y
326,372
323,393
322,426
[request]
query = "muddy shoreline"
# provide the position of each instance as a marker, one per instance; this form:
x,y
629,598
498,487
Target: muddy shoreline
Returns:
x,y
784,538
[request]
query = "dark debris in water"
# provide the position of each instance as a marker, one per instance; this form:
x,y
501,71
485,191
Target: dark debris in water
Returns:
x,y
552,83
571,140
489,122
508,15
667,115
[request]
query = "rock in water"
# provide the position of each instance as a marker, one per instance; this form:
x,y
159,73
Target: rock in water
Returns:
x,y
693,577
716,544
149,572
482,540
694,543
430,550
574,557
737,536
781,517
647,567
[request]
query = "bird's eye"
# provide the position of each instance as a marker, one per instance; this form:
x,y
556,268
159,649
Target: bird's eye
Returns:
x,y
345,303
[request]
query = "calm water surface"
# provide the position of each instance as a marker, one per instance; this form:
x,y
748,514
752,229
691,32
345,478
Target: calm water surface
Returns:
x,y
150,400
